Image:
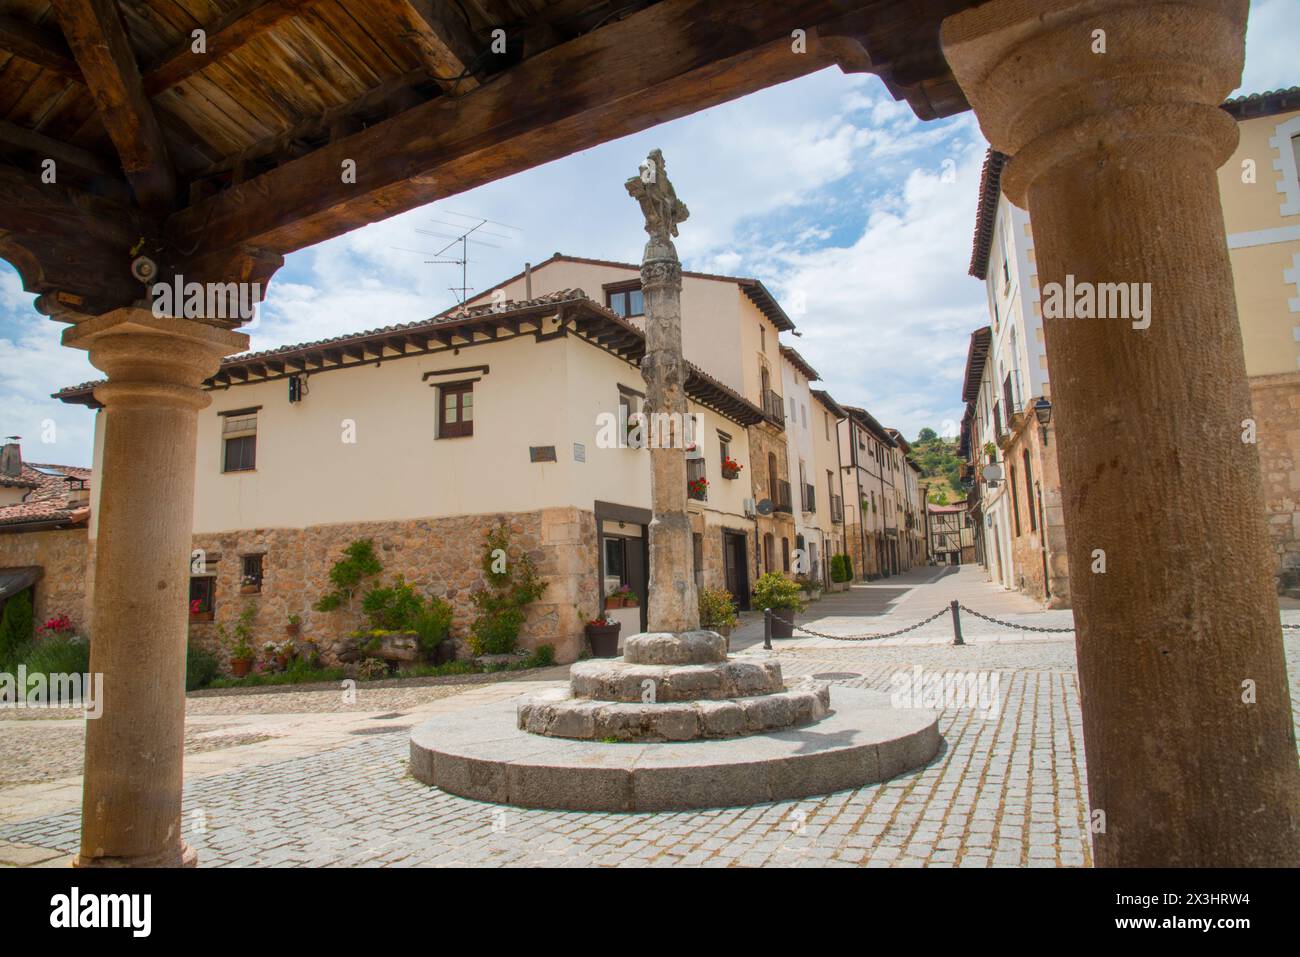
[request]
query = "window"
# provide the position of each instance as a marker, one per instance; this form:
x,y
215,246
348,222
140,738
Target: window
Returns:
x,y
767,552
785,554
762,338
615,563
252,571
773,490
626,302
724,446
1015,501
203,597
239,442
629,405
1029,493
826,421
456,410
803,414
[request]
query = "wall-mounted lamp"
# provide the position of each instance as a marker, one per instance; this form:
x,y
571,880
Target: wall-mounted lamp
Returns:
x,y
1043,412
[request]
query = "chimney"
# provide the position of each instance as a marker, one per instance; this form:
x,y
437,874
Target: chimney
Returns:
x,y
528,281
11,458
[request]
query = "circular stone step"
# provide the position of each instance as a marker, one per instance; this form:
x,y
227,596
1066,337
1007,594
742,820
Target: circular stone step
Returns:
x,y
612,679
560,715
675,648
482,754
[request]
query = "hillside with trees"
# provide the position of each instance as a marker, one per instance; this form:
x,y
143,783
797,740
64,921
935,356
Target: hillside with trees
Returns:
x,y
940,465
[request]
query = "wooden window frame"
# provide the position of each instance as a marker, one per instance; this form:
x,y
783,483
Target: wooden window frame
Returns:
x,y
625,290
461,428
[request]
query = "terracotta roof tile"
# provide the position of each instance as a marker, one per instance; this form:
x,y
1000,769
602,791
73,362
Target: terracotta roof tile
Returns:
x,y
48,500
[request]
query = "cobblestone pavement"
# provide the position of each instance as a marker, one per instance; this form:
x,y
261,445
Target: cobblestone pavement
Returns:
x,y
1007,789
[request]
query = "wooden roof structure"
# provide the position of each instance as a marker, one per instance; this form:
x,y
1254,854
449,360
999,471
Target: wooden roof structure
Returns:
x,y
212,136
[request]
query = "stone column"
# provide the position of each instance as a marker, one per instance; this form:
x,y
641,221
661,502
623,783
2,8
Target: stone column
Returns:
x,y
1109,110
131,813
672,604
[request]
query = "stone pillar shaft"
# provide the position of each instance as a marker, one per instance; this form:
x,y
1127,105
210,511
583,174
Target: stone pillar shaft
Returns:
x,y
131,814
1114,152
672,603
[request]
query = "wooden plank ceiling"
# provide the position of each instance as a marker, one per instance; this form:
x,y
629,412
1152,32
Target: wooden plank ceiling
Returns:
x,y
217,160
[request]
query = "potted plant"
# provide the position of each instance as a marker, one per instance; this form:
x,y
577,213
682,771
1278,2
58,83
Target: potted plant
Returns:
x,y
777,592
630,599
602,635
731,468
293,626
698,488
616,597
239,642
249,585
285,652
717,611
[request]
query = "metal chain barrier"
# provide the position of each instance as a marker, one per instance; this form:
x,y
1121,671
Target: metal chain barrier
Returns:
x,y
771,616
888,634
1008,624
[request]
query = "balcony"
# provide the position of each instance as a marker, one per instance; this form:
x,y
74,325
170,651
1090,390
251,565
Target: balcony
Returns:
x,y
781,501
774,407
809,498
837,510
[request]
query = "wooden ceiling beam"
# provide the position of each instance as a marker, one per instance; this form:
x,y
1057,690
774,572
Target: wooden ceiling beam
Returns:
x,y
94,31
69,247
107,176
439,34
228,33
39,46
669,60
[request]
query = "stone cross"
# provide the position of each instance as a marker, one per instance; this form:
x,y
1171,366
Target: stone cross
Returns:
x,y
671,603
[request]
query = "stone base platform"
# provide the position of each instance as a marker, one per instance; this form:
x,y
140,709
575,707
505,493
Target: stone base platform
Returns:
x,y
484,755
560,714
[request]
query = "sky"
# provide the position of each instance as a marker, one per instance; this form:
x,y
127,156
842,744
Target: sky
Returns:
x,y
825,188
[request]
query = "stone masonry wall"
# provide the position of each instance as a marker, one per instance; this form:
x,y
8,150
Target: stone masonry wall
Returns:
x,y
63,554
1276,401
440,556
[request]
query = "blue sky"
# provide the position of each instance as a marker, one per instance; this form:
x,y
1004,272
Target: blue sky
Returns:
x,y
824,188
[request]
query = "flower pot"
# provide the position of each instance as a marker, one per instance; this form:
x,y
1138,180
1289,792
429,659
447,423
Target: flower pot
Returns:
x,y
240,667
249,589
282,661
731,473
782,623
604,640
292,629
614,601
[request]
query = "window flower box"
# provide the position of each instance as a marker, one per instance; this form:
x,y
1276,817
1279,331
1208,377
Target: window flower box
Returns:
x,y
698,489
731,468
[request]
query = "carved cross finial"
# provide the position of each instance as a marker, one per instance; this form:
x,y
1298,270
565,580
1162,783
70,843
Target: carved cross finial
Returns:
x,y
659,203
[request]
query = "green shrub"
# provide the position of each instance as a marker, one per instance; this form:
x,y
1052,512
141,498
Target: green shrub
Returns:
x,y
776,591
201,669
717,608
17,626
512,587
358,563
543,656
841,568
56,656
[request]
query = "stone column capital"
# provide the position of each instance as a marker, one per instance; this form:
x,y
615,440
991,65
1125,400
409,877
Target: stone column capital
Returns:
x,y
1050,80
664,271
153,358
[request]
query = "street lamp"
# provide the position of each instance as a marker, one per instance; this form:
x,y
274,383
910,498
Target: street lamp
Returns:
x,y
1043,412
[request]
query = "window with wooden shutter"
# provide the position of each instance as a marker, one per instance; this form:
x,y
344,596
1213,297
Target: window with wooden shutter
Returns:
x,y
456,410
239,443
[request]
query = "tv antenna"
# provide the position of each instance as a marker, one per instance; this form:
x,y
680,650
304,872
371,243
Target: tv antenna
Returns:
x,y
465,233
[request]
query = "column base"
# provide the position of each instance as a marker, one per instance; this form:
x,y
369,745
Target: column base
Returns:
x,y
185,856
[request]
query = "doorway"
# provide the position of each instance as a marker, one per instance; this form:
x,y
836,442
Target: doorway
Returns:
x,y
735,557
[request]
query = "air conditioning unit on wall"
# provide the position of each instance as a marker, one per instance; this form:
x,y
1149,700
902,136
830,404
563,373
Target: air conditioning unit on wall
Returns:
x,y
750,509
